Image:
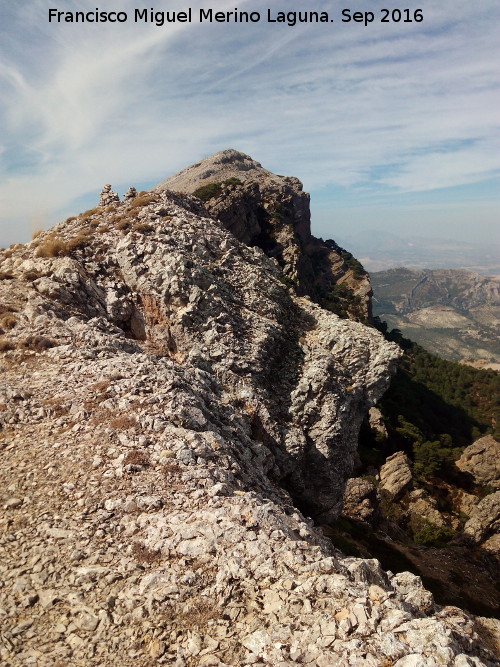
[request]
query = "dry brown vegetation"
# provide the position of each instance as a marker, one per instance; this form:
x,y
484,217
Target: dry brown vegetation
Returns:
x,y
57,406
6,308
101,386
197,613
30,276
79,241
54,246
144,554
137,458
142,228
124,224
38,343
90,212
143,199
6,275
123,423
8,321
6,345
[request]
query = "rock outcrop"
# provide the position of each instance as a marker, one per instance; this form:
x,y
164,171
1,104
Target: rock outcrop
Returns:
x,y
360,500
481,461
422,506
485,519
169,407
395,475
272,212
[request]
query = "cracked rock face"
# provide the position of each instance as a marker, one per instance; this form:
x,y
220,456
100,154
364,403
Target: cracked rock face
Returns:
x,y
395,475
168,407
481,461
272,212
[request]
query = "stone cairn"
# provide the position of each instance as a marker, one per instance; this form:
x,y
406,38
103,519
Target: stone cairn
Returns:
x,y
107,196
130,194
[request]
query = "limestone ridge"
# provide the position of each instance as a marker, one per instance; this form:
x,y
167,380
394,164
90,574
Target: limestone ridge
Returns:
x,y
272,212
168,403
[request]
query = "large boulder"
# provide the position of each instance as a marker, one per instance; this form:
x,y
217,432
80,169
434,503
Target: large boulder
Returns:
x,y
395,475
485,519
360,499
481,460
422,506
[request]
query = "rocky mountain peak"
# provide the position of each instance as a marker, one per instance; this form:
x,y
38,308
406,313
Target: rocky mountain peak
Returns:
x,y
272,212
177,422
222,165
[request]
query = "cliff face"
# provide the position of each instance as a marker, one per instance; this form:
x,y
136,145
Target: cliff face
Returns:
x,y
168,405
272,212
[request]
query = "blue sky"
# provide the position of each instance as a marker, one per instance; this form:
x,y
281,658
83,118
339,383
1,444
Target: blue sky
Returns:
x,y
389,126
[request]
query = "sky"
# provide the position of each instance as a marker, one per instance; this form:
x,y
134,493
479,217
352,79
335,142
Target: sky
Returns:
x,y
391,126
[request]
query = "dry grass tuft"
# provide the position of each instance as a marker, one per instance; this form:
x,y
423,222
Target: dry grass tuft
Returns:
x,y
36,233
144,554
4,308
8,321
102,386
197,613
90,212
142,199
30,276
52,247
123,423
142,228
137,458
38,343
125,224
6,275
79,241
6,345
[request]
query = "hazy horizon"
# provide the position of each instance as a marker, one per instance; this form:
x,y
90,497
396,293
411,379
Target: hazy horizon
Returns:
x,y
391,126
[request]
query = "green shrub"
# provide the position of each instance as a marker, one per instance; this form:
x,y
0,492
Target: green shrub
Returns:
x,y
427,533
209,191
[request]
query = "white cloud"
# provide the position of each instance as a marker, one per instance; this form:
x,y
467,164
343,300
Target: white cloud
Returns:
x,y
408,107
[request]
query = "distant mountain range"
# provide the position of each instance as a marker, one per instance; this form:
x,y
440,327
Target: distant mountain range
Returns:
x,y
378,251
452,313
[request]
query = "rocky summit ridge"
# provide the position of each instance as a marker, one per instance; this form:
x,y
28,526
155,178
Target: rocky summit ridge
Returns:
x,y
272,212
177,421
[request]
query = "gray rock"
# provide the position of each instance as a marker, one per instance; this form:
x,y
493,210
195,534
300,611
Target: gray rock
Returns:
x,y
360,500
395,475
481,461
485,519
376,421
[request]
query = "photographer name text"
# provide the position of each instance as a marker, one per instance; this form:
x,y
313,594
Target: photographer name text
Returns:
x,y
189,15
